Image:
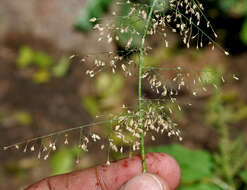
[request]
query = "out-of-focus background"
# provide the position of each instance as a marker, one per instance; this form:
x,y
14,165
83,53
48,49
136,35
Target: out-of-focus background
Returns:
x,y
43,88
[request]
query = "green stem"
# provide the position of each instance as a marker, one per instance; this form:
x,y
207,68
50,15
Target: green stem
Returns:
x,y
140,84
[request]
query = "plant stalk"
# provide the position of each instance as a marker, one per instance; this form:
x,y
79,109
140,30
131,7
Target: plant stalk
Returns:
x,y
140,84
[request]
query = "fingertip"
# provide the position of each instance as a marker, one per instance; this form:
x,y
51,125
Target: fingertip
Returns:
x,y
166,167
145,181
175,169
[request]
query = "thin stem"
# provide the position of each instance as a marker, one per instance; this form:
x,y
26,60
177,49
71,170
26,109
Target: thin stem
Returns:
x,y
57,133
140,84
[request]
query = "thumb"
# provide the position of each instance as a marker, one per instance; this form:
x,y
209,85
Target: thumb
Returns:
x,y
145,181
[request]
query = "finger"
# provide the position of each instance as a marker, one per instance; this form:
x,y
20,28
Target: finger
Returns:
x,y
146,182
113,176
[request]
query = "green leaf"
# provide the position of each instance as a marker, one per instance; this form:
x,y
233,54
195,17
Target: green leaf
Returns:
x,y
62,68
62,161
195,164
243,176
243,32
42,60
200,186
25,57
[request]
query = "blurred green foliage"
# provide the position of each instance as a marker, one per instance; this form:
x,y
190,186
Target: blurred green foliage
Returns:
x,y
92,105
25,57
243,175
61,68
19,168
197,166
23,118
211,75
93,9
158,57
199,169
42,60
108,88
14,169
227,106
16,117
41,76
63,160
191,161
222,110
234,8
43,64
133,23
201,186
243,33
109,85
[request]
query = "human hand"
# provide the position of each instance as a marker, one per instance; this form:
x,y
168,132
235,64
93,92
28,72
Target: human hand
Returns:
x,y
163,173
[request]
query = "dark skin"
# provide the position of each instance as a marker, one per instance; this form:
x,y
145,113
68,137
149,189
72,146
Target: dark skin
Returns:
x,y
115,175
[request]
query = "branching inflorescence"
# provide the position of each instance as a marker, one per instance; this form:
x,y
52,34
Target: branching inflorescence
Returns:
x,y
184,17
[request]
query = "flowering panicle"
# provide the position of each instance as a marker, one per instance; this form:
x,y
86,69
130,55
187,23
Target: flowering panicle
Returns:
x,y
184,17
125,131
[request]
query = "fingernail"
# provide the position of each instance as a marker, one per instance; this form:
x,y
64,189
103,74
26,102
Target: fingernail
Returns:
x,y
145,182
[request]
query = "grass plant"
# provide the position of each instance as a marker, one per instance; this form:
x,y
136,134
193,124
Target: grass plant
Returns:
x,y
144,19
